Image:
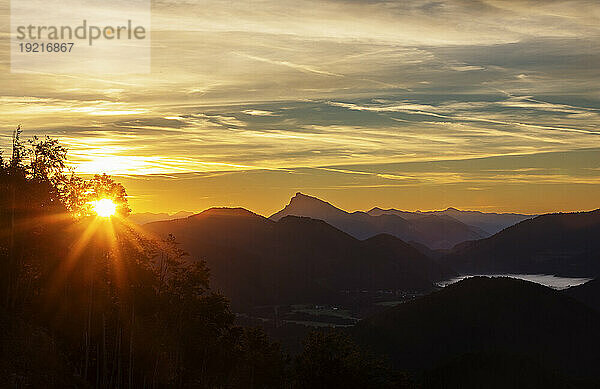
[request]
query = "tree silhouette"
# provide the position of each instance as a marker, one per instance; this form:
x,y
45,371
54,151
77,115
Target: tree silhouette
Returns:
x,y
79,194
330,360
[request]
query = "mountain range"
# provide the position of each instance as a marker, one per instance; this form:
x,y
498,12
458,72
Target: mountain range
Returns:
x,y
435,229
429,230
564,244
486,223
258,261
314,251
149,217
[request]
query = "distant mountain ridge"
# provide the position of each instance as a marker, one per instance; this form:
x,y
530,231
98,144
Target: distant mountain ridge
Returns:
x,y
435,230
258,261
488,223
148,217
564,244
432,229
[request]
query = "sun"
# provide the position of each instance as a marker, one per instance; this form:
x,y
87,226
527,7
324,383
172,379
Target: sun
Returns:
x,y
104,207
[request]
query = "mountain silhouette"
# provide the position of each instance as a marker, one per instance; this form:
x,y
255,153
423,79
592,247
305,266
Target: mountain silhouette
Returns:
x,y
485,223
434,231
149,217
588,293
257,261
563,244
500,318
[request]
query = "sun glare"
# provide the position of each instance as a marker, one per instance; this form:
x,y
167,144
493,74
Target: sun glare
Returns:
x,y
104,207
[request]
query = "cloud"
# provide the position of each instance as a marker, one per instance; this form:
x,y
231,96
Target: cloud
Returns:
x,y
302,68
280,84
258,112
466,68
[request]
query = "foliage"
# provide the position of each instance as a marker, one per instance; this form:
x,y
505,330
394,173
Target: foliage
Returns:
x,y
330,359
79,194
47,160
44,162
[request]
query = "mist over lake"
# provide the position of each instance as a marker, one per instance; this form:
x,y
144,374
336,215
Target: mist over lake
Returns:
x,y
549,280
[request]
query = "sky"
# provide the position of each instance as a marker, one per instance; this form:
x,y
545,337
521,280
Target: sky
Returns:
x,y
490,105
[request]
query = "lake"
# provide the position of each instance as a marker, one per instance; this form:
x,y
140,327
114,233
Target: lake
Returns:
x,y
552,281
